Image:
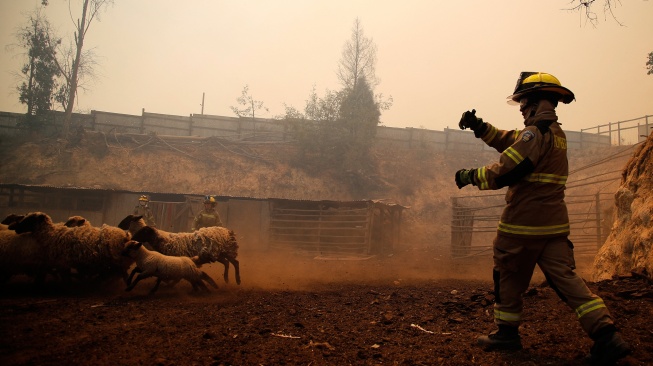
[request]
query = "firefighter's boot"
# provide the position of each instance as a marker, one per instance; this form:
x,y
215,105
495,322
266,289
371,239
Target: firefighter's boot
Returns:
x,y
505,338
608,348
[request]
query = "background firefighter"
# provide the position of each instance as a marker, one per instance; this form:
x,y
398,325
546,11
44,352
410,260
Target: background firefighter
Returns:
x,y
143,209
534,225
208,216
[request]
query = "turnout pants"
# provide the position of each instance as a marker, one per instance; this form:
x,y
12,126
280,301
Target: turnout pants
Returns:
x,y
514,262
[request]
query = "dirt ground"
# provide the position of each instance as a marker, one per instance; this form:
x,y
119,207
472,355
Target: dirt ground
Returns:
x,y
412,308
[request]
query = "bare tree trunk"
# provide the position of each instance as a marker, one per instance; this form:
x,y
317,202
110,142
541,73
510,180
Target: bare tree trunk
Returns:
x,y
79,43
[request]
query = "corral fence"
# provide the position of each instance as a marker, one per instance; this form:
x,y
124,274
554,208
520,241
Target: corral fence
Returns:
x,y
334,229
475,218
590,203
626,132
259,129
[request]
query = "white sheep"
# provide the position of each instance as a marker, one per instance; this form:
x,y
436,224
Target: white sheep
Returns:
x,y
173,269
89,250
206,245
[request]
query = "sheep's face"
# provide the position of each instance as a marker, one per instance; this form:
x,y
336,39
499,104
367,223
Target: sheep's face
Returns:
x,y
31,222
126,222
146,234
13,218
75,221
131,247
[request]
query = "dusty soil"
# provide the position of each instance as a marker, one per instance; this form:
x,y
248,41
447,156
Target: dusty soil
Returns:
x,y
413,308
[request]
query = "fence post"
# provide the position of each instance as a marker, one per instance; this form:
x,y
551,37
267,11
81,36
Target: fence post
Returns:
x,y
599,241
141,129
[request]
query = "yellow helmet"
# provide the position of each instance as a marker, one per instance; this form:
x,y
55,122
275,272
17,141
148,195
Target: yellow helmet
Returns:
x,y
210,199
143,198
530,82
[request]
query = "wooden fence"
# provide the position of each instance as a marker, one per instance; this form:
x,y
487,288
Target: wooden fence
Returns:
x,y
260,129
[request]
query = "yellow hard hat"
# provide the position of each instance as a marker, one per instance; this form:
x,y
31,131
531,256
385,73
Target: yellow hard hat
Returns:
x,y
143,198
210,199
530,82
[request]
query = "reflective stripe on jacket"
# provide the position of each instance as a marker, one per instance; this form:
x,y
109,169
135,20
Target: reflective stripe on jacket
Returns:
x,y
533,165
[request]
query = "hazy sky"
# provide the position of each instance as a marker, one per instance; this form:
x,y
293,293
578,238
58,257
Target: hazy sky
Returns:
x,y
435,58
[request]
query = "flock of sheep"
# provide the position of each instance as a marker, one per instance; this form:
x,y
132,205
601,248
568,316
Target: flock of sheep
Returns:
x,y
33,245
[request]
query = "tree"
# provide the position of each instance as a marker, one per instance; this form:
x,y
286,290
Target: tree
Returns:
x,y
320,134
250,106
360,115
649,64
40,71
75,63
586,7
358,59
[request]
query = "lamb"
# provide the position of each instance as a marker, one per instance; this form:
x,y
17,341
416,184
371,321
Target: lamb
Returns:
x,y
207,245
150,263
88,249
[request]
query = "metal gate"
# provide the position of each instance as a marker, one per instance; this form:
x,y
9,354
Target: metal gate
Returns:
x,y
475,218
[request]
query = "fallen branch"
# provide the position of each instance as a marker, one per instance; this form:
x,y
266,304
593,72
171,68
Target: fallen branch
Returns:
x,y
422,329
283,335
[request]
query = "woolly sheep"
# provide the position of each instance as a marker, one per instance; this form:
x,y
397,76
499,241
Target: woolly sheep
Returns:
x,y
151,263
88,249
10,219
133,223
209,244
75,221
20,254
216,244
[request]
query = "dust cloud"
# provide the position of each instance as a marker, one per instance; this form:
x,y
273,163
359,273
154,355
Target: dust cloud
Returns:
x,y
290,271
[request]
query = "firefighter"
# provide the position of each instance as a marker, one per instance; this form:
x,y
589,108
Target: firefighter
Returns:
x,y
143,209
207,217
534,225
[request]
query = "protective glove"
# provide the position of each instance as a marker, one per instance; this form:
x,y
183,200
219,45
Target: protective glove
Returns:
x,y
465,177
469,120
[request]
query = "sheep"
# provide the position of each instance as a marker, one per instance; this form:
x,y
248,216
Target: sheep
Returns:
x,y
133,223
87,249
209,244
74,221
10,219
20,254
71,222
151,263
219,246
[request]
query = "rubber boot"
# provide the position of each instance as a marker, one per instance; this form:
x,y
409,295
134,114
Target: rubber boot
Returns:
x,y
608,347
504,338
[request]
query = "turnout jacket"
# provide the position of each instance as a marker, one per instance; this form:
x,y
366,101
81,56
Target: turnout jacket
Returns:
x,y
206,219
533,165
